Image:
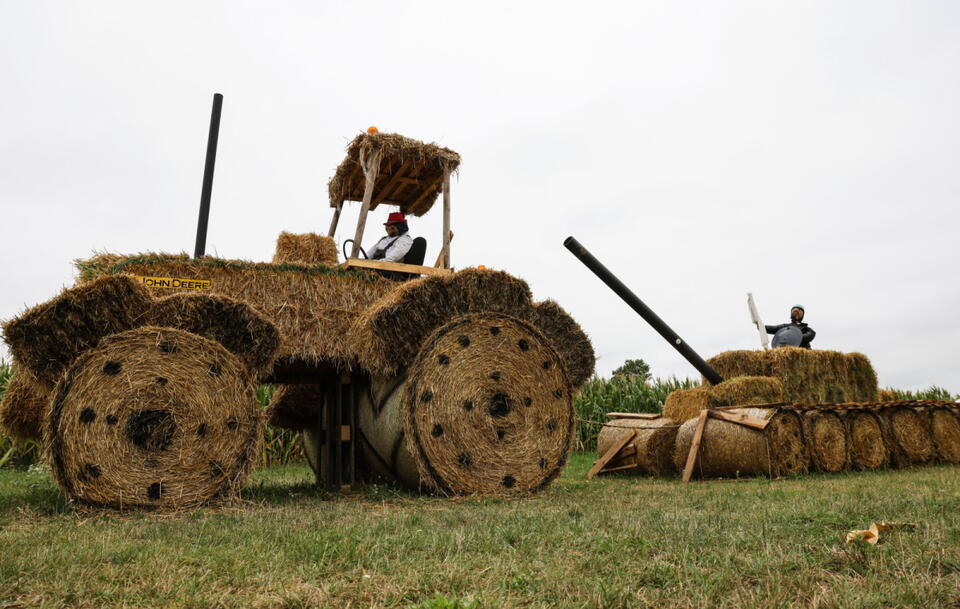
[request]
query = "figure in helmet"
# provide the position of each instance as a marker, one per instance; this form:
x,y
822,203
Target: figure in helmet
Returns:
x,y
793,334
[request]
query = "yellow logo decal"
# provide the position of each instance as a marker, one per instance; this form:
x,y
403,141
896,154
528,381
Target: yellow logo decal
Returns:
x,y
174,283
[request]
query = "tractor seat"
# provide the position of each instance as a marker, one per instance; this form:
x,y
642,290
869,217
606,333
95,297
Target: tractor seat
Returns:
x,y
416,252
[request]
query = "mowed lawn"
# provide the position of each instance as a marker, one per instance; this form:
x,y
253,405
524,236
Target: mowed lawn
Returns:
x,y
612,542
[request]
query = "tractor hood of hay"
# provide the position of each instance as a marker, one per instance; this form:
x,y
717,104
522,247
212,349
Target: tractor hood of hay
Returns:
x,y
347,319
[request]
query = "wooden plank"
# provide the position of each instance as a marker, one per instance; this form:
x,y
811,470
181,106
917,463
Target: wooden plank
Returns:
x,y
385,191
740,419
767,405
446,219
370,173
409,208
336,219
610,454
439,263
621,468
695,446
385,265
633,415
344,433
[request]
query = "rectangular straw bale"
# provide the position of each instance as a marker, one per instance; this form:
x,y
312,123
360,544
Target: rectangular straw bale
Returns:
x,y
746,390
24,406
306,248
730,364
312,306
685,404
654,444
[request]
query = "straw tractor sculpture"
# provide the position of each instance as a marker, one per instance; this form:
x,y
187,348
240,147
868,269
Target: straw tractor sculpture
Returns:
x,y
141,379
772,413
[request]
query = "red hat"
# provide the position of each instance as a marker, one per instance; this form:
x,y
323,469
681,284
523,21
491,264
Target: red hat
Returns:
x,y
395,217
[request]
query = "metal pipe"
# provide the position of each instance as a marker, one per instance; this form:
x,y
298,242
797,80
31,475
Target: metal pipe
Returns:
x,y
201,246
645,312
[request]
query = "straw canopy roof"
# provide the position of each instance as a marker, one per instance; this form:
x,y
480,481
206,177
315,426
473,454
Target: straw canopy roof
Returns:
x,y
410,172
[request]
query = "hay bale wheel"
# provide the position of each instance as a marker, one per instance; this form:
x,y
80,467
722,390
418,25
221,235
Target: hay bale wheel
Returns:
x,y
383,454
153,418
653,445
486,408
945,425
866,443
909,435
730,450
826,440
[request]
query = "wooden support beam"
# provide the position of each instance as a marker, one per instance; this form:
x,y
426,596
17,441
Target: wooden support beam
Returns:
x,y
385,191
740,419
446,219
610,454
423,195
439,263
336,219
385,265
633,415
370,165
695,446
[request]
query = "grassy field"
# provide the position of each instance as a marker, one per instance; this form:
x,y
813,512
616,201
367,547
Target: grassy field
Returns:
x,y
615,542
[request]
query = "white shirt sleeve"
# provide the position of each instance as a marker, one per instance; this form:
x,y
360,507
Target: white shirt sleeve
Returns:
x,y
399,248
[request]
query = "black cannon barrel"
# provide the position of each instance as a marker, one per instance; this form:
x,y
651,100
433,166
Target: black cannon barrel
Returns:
x,y
201,245
645,312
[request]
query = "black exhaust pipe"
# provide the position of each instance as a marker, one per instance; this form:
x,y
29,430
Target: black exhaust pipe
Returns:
x,y
201,246
645,312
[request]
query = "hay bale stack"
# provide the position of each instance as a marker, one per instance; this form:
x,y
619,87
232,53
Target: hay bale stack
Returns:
x,y
652,448
866,442
568,338
295,407
486,408
153,418
306,248
685,404
945,427
730,450
24,406
808,376
232,323
908,434
44,340
886,395
312,306
826,439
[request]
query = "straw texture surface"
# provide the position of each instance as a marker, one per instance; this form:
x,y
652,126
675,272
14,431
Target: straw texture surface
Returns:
x,y
653,444
23,407
306,248
153,418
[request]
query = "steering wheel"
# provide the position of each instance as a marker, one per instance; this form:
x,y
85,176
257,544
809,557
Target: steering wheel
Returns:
x,y
346,256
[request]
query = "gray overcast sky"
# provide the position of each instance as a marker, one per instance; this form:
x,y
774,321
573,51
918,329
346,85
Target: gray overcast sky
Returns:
x,y
804,151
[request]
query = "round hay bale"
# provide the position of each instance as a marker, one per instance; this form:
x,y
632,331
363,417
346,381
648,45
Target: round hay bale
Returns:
x,y
945,424
865,440
568,338
826,440
486,408
24,407
383,453
153,418
47,338
730,450
232,323
295,407
651,448
909,432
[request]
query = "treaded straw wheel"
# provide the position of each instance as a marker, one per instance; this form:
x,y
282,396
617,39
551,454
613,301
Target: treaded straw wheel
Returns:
x,y
488,408
153,418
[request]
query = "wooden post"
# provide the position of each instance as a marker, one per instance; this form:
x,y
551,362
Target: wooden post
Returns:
x,y
446,219
336,219
370,166
695,446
